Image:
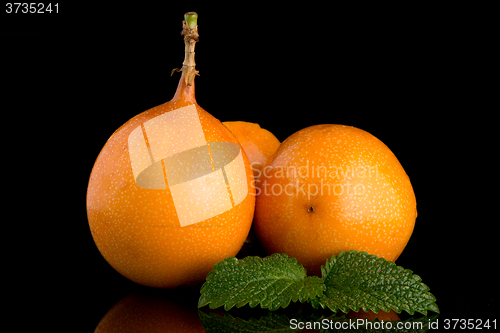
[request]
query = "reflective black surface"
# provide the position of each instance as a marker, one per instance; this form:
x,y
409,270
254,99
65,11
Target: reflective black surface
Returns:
x,y
412,81
452,304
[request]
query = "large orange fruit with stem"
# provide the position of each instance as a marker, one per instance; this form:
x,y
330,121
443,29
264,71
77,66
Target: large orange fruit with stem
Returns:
x,y
333,188
171,193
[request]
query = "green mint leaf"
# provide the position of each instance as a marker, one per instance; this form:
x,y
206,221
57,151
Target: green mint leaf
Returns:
x,y
270,282
356,280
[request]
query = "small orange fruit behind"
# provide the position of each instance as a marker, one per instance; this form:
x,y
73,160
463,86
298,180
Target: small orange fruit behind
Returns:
x,y
333,188
259,144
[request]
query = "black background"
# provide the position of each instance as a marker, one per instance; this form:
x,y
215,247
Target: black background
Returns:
x,y
416,78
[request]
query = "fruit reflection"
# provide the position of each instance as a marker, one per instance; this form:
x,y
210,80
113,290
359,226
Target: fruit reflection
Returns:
x,y
145,313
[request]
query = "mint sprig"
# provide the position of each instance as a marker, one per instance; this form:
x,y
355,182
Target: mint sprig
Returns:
x,y
350,281
270,282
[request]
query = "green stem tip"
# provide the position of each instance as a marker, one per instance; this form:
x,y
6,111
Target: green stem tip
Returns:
x,y
192,19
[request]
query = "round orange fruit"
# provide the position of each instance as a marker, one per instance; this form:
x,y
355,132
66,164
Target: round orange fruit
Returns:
x,y
333,188
170,194
259,144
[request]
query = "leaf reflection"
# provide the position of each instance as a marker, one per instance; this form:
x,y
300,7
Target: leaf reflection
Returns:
x,y
314,322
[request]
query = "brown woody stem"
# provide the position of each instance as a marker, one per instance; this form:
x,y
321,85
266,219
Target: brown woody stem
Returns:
x,y
190,33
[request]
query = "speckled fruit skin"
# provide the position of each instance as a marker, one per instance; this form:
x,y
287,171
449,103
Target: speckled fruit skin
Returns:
x,y
339,189
137,230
